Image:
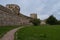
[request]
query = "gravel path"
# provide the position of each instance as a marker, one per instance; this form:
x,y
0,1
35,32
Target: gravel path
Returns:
x,y
10,35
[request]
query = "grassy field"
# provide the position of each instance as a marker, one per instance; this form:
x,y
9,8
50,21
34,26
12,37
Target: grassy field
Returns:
x,y
46,32
4,29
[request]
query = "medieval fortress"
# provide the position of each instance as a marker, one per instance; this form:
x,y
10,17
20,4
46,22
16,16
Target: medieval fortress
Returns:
x,y
10,15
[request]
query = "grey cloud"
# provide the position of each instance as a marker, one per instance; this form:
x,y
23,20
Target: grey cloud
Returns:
x,y
43,8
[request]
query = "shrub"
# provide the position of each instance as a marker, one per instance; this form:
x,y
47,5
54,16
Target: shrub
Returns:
x,y
58,22
35,22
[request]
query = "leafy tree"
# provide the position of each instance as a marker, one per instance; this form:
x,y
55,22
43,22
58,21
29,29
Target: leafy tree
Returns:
x,y
35,22
51,20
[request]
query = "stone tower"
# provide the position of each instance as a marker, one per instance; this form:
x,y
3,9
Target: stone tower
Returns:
x,y
33,15
15,8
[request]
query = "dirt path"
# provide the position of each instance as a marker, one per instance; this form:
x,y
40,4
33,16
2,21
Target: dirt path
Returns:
x,y
10,35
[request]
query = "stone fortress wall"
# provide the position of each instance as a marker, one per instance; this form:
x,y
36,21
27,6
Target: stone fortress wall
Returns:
x,y
10,15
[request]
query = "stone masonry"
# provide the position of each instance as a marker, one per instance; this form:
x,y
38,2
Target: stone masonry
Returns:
x,y
10,15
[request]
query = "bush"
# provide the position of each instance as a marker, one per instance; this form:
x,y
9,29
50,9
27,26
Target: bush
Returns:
x,y
35,22
51,20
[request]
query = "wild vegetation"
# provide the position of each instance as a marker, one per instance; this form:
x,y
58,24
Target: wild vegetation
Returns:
x,y
4,29
35,22
46,32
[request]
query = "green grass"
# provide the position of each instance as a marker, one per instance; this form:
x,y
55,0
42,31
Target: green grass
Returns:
x,y
46,32
4,29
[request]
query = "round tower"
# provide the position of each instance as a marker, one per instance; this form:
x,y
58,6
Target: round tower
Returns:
x,y
33,15
15,8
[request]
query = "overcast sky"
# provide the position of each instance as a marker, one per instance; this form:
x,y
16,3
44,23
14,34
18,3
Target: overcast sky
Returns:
x,y
43,8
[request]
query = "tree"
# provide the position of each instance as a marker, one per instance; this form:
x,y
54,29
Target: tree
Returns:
x,y
35,22
51,20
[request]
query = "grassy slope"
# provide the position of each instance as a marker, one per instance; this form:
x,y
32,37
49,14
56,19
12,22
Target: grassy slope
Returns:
x,y
39,33
4,29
